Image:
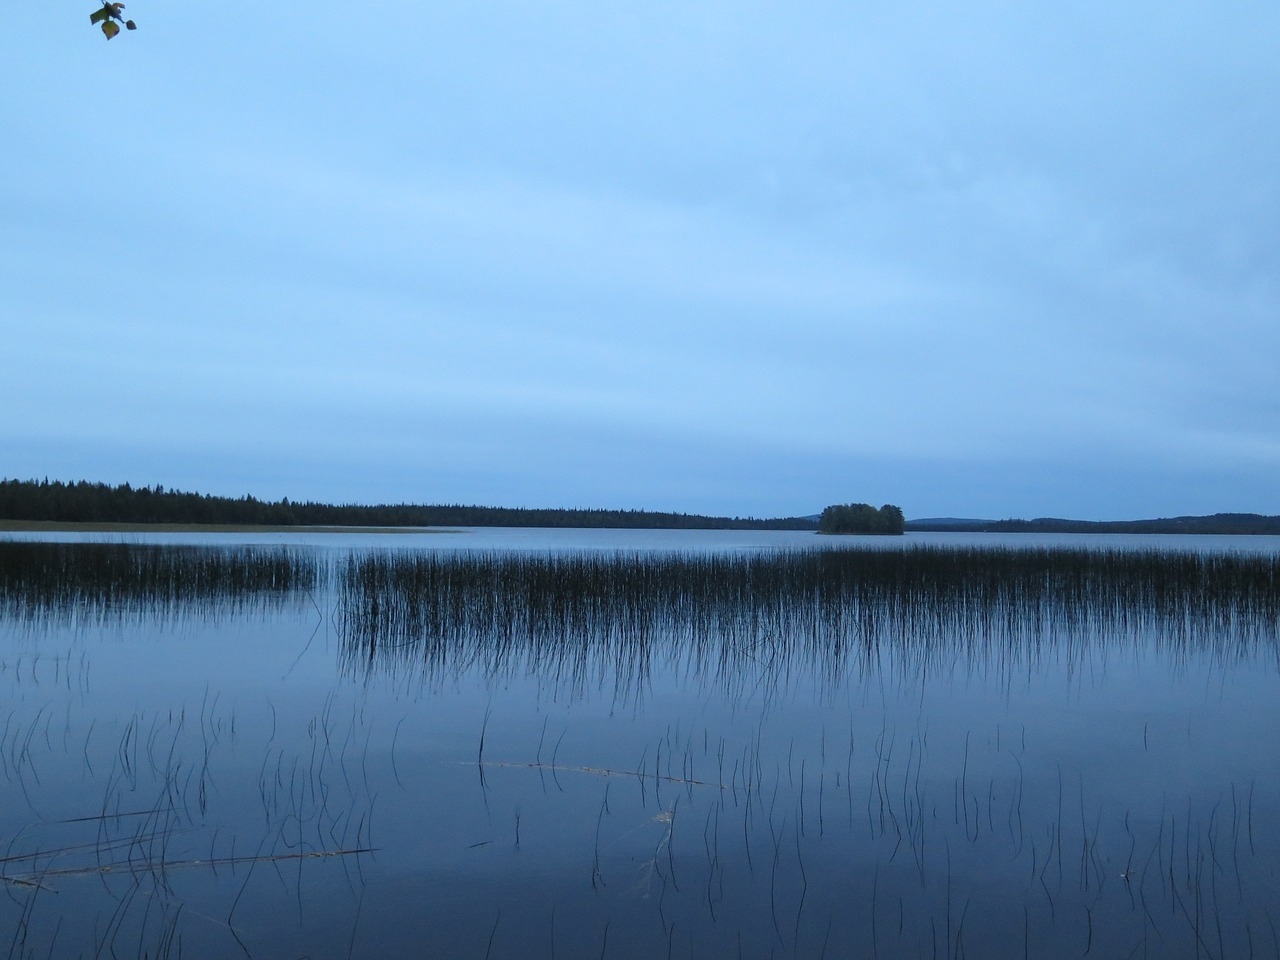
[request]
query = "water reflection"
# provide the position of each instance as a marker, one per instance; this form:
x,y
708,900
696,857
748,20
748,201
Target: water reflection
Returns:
x,y
914,753
835,617
58,583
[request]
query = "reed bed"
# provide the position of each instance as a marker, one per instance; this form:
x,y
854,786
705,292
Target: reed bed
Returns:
x,y
589,616
44,582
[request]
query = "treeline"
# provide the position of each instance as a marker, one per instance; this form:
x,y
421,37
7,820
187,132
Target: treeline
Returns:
x,y
1218,523
862,518
85,502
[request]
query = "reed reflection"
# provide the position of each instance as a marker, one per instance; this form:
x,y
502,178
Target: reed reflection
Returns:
x,y
738,621
56,584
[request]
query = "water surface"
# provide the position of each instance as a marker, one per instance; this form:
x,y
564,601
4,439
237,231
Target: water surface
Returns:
x,y
638,743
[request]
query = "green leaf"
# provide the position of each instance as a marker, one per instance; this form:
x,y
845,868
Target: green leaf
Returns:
x,y
98,15
130,25
110,28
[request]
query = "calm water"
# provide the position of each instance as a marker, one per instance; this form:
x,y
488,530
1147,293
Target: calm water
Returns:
x,y
531,743
540,540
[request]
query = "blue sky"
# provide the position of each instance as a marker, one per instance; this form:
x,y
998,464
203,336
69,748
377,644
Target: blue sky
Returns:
x,y
991,259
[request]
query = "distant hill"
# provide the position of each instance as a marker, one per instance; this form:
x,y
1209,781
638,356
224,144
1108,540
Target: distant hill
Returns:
x,y
1218,523
947,523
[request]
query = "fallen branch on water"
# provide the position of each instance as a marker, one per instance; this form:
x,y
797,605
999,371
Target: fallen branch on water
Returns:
x,y
148,866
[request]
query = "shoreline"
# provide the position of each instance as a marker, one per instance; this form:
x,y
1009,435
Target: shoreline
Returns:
x,y
105,526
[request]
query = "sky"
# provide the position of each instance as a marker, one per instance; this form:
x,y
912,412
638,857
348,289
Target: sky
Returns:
x,y
990,259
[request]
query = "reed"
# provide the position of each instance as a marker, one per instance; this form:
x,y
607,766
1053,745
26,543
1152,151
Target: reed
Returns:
x,y
66,582
748,622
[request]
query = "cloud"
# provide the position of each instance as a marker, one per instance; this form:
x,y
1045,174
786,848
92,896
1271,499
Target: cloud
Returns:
x,y
654,253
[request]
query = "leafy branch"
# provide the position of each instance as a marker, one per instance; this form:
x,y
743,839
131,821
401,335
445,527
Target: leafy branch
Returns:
x,y
110,17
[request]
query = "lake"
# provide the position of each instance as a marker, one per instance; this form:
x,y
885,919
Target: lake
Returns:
x,y
605,743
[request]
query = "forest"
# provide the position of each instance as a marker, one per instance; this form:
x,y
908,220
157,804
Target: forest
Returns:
x,y
86,502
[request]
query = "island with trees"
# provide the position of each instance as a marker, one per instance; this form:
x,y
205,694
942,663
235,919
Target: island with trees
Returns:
x,y
862,518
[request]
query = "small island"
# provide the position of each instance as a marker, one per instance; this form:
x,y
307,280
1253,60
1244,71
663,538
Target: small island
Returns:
x,y
862,518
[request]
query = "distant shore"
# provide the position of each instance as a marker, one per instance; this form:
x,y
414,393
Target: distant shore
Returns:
x,y
82,506
89,526
85,502
1218,524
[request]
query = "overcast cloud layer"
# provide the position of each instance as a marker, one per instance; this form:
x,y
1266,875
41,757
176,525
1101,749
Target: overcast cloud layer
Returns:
x,y
990,259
